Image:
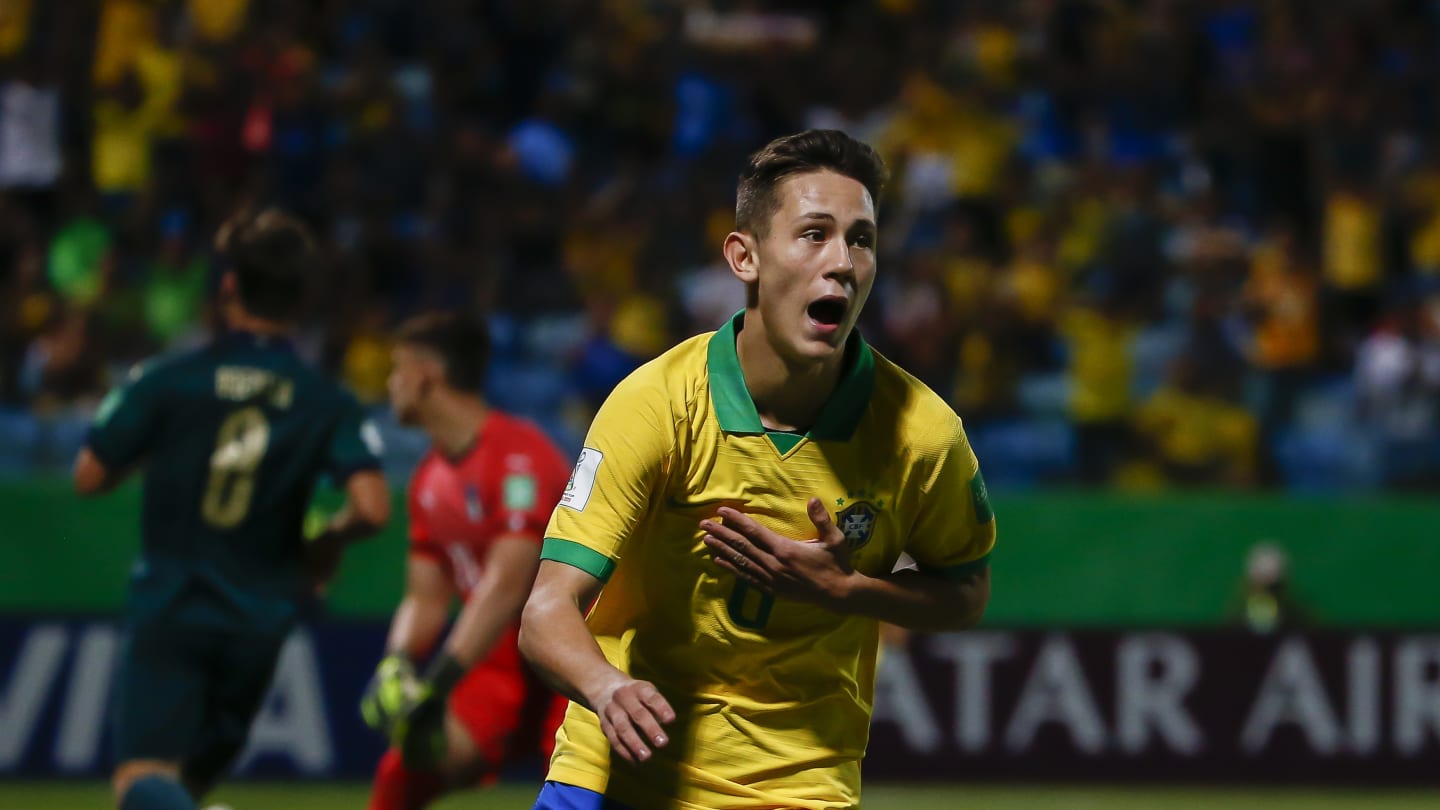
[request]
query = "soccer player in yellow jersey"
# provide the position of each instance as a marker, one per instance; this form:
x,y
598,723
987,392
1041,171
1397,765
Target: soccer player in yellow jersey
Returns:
x,y
735,519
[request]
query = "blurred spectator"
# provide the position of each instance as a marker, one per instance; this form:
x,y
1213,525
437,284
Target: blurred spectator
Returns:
x,y
1266,605
138,81
918,325
623,336
176,285
64,368
81,259
15,23
30,149
1397,378
1353,265
1081,194
1099,338
365,364
985,389
217,20
1282,304
123,30
26,303
1191,434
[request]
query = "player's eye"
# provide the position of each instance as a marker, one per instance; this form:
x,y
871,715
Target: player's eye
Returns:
x,y
863,240
813,235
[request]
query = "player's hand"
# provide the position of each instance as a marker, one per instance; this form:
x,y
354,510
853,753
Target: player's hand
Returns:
x,y
393,690
419,733
631,715
815,570
322,559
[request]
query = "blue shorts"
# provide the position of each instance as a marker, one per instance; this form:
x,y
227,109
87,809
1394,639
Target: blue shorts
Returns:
x,y
560,796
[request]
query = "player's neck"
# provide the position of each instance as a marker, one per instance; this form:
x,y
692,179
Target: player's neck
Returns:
x,y
238,320
787,395
453,423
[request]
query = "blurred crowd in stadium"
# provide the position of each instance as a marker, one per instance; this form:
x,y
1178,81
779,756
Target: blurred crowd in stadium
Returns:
x,y
1138,243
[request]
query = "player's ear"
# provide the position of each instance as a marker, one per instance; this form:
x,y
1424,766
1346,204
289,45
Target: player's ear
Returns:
x,y
740,253
432,376
228,296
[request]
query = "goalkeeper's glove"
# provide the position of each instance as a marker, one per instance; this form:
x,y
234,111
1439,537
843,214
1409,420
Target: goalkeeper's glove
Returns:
x,y
393,690
419,732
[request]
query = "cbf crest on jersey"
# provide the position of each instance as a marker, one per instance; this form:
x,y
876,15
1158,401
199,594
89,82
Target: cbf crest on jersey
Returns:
x,y
856,522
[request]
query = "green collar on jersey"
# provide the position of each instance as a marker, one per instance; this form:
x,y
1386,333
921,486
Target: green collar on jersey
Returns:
x,y
736,410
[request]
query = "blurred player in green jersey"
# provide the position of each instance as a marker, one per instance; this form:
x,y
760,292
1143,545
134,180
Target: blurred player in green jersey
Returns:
x,y
231,440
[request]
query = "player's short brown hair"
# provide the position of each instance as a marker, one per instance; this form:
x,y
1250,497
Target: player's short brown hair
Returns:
x,y
461,342
810,151
271,254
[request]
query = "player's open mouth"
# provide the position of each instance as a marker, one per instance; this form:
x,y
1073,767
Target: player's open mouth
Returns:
x,y
828,311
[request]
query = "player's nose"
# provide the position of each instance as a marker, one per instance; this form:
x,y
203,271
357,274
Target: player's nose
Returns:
x,y
839,264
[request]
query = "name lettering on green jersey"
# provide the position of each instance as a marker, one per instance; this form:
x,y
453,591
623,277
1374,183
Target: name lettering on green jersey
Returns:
x,y
246,384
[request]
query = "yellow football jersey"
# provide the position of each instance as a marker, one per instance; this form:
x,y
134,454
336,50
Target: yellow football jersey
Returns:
x,y
772,697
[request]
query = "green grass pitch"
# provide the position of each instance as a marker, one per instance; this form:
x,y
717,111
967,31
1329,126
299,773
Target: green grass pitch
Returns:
x,y
349,796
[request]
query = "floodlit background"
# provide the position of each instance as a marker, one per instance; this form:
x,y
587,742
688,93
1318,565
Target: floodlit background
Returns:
x,y
1175,262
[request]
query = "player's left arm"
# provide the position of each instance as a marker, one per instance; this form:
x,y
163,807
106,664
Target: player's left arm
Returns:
x,y
918,601
494,603
522,503
123,429
496,600
819,571
353,463
950,543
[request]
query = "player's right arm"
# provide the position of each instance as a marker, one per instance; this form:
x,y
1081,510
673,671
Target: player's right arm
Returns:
x,y
124,427
354,459
626,456
429,589
365,512
632,712
419,619
423,610
417,624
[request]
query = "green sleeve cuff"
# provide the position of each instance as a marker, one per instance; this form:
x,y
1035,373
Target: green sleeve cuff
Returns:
x,y
586,559
953,572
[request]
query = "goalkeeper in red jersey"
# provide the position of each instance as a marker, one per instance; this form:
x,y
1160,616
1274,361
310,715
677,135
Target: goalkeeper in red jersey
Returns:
x,y
478,504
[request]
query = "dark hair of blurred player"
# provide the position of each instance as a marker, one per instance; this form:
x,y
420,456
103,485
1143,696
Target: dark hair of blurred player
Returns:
x,y
478,505
232,438
268,256
440,362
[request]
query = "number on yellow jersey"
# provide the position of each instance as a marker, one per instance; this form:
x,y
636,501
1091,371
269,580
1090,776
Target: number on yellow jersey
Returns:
x,y
752,613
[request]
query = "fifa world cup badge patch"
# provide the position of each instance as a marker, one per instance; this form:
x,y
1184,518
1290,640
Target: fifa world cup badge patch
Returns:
x,y
520,492
582,480
856,522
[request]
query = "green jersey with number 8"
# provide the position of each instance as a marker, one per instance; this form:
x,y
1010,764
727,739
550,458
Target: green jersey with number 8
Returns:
x,y
232,439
